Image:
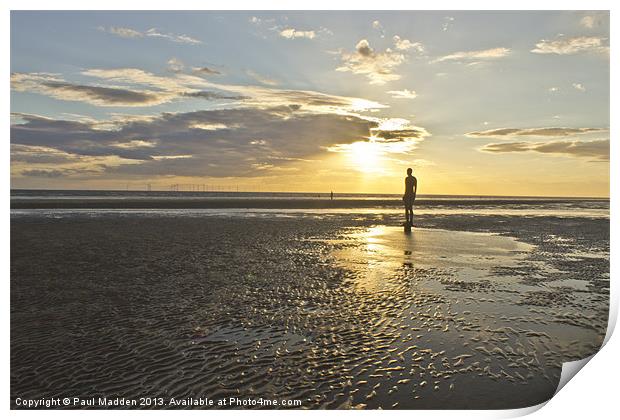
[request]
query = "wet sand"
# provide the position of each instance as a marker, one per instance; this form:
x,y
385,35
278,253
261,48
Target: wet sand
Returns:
x,y
338,311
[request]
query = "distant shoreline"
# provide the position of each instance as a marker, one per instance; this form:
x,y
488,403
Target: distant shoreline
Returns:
x,y
258,203
28,193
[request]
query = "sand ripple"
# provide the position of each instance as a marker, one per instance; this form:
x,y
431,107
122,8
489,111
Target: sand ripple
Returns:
x,y
287,309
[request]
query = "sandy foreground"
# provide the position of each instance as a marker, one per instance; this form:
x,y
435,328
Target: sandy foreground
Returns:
x,y
337,312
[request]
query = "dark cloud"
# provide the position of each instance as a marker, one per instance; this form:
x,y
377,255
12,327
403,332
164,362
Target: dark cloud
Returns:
x,y
204,94
206,71
55,173
102,95
167,89
398,135
223,142
543,132
47,173
596,149
61,134
27,154
50,85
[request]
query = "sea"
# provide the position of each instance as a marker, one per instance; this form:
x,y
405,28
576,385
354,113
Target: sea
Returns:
x,y
67,203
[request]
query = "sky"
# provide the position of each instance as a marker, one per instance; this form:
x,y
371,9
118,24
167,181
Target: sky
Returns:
x,y
477,103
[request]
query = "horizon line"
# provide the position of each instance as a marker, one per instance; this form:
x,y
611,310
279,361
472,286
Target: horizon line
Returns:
x,y
310,192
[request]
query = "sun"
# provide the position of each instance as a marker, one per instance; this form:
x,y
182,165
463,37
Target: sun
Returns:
x,y
366,156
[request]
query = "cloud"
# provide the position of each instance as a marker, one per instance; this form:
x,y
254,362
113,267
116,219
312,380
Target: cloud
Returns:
x,y
179,85
38,155
594,20
130,87
389,136
568,46
259,21
286,31
224,142
101,95
587,22
399,135
534,132
73,138
307,101
205,71
447,23
134,76
489,54
96,95
403,94
262,79
378,67
596,149
175,65
50,162
57,173
151,33
135,144
177,144
579,87
399,129
123,32
180,39
377,26
144,89
292,33
203,94
405,44
47,173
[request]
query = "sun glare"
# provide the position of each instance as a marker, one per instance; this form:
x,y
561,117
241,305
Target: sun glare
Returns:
x,y
366,155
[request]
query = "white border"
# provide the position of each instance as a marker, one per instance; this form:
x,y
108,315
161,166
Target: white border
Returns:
x,y
592,394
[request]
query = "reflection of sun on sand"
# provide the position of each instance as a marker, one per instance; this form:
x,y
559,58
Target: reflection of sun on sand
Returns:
x,y
444,293
277,307
386,248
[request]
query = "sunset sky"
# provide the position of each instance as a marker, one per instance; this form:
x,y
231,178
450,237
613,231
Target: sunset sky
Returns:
x,y
482,103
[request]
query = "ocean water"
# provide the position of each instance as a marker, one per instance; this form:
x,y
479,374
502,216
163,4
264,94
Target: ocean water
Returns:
x,y
23,194
64,203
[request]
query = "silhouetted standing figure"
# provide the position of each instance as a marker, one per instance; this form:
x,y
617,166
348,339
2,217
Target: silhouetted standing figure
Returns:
x,y
411,188
331,196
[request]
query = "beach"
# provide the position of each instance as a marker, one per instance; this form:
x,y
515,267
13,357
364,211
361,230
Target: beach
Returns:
x,y
477,308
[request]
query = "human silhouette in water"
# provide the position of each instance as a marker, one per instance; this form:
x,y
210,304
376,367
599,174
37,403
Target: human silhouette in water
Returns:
x,y
411,188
